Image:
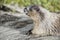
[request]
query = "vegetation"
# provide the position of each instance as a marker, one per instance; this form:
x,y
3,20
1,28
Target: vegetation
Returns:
x,y
52,5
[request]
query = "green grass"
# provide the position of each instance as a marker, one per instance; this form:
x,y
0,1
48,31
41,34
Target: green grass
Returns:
x,y
52,5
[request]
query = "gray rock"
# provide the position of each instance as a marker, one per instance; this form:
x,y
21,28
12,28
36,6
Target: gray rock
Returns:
x,y
15,28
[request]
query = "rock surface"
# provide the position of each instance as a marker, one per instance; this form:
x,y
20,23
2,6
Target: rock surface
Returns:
x,y
15,28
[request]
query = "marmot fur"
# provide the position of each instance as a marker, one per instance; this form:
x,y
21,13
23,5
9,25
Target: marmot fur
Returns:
x,y
45,22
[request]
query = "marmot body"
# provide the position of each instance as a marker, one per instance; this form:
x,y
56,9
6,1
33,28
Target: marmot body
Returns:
x,y
45,22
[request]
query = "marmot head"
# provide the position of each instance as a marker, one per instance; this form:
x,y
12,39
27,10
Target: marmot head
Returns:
x,y
32,11
35,12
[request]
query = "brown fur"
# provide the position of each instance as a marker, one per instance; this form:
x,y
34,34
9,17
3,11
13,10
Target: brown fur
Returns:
x,y
45,22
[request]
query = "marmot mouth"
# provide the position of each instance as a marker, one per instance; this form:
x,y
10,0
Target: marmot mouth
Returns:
x,y
27,14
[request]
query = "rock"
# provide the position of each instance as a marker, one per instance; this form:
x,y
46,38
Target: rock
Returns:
x,y
15,28
10,34
4,8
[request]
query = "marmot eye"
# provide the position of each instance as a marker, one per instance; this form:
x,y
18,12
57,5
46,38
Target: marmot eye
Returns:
x,y
30,9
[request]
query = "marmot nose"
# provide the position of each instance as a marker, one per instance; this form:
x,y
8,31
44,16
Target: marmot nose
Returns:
x,y
26,10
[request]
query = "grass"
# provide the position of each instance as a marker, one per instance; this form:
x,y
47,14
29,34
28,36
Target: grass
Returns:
x,y
52,5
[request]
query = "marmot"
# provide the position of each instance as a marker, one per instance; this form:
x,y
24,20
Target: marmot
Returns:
x,y
45,22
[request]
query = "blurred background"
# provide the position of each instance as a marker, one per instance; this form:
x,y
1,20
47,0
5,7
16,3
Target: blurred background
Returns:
x,y
51,5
